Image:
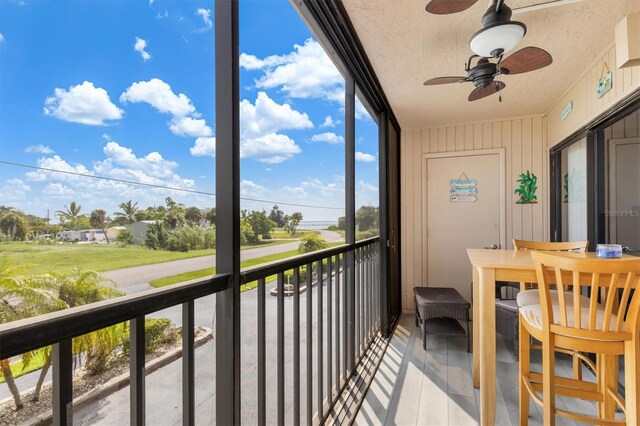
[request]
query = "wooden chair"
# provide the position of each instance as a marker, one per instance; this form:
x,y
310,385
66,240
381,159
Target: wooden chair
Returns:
x,y
528,294
567,325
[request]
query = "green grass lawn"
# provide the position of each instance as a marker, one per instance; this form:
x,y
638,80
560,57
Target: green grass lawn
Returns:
x,y
280,233
18,368
97,257
187,276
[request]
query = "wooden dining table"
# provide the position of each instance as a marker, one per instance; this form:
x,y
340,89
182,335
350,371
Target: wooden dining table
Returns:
x,y
488,267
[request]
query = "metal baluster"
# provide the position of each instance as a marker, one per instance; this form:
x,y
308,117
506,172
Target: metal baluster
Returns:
x,y
188,372
280,354
62,363
309,348
357,305
338,311
296,346
345,315
320,342
262,403
329,328
136,366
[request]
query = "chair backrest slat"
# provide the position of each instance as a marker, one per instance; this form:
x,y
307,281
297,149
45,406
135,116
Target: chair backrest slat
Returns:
x,y
611,298
624,300
577,300
561,300
595,284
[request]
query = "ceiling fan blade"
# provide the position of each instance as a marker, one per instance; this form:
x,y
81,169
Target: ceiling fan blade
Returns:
x,y
492,88
444,80
525,60
446,7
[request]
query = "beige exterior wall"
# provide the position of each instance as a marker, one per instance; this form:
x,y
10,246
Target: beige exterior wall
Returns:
x,y
586,104
524,141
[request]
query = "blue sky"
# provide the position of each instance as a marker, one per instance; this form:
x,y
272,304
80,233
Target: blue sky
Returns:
x,y
125,90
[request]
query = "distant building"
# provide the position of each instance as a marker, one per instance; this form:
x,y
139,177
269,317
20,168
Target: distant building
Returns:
x,y
139,230
316,224
112,232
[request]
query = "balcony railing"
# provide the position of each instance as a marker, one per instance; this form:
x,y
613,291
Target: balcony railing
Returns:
x,y
349,274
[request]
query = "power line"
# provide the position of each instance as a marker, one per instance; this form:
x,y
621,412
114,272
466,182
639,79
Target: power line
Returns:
x,y
152,185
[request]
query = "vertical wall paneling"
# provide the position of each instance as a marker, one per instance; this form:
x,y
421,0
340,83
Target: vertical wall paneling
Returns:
x,y
516,169
527,209
524,141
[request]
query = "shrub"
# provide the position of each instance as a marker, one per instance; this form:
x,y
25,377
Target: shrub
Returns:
x,y
333,228
15,226
125,237
157,331
311,242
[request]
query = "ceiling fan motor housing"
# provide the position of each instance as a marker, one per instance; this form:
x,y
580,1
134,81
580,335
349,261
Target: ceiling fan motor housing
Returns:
x,y
482,74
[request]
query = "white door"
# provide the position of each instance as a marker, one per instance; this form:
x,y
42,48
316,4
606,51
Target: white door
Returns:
x,y
624,196
453,227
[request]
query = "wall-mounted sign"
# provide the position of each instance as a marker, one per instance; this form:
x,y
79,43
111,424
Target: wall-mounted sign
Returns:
x,y
566,111
463,198
604,85
463,190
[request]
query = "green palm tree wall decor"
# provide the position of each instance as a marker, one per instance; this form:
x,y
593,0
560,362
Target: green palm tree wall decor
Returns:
x,y
527,189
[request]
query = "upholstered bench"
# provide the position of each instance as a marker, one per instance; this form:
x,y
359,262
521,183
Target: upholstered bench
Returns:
x,y
437,311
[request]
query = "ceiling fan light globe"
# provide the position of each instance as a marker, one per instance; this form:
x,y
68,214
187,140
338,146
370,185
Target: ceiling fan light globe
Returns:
x,y
501,36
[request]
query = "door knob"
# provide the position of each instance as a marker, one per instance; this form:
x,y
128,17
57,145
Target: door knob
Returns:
x,y
493,247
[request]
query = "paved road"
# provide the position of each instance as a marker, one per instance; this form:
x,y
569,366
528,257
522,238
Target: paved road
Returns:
x,y
131,280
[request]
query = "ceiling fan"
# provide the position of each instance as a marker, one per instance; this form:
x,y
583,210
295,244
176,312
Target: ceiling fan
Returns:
x,y
499,35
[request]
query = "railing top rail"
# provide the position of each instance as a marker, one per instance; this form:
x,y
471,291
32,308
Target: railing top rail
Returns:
x,y
264,270
28,334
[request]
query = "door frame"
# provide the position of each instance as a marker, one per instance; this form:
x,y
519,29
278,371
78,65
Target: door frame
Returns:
x,y
425,195
613,143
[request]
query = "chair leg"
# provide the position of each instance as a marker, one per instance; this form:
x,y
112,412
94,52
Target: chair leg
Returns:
x,y
607,366
548,380
523,372
632,380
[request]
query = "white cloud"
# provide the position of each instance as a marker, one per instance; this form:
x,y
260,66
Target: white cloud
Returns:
x,y
186,120
14,190
267,116
162,15
55,163
140,47
250,189
38,149
329,121
151,2
84,104
364,157
1,37
328,137
106,136
271,148
187,126
204,147
205,14
367,186
159,95
306,72
58,190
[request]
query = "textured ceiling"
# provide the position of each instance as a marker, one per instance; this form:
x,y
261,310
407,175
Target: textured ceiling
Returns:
x,y
407,46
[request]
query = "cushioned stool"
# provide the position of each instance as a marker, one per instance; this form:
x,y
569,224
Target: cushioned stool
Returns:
x,y
437,311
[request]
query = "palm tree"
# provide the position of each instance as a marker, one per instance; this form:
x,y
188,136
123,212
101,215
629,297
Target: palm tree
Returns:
x,y
23,297
98,219
69,213
193,215
128,212
75,289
